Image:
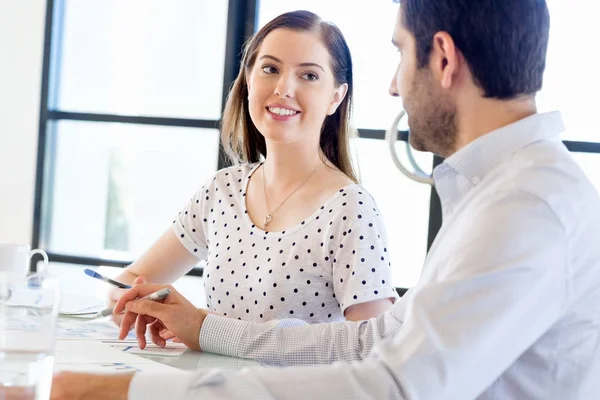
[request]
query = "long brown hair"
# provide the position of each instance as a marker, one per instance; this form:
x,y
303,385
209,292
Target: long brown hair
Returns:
x,y
241,139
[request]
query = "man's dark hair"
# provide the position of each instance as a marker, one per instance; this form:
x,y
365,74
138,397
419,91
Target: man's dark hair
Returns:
x,y
503,41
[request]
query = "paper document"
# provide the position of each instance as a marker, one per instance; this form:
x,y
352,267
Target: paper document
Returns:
x,y
94,329
72,304
171,349
96,356
115,368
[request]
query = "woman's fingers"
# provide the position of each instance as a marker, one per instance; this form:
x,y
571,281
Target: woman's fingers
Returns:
x,y
115,294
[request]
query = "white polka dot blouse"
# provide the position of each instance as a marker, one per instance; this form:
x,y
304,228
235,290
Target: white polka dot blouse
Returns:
x,y
314,271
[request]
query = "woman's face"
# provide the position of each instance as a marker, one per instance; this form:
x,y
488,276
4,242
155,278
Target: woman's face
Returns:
x,y
291,88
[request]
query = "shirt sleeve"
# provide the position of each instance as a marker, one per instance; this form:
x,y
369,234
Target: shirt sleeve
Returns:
x,y
362,269
369,380
190,224
294,342
510,274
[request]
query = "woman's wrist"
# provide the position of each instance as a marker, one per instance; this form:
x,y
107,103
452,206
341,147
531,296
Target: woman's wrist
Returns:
x,y
126,277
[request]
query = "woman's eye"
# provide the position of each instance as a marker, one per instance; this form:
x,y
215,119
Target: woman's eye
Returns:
x,y
309,76
268,69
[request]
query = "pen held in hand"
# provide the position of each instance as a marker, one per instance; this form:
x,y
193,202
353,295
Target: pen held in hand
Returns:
x,y
96,275
156,296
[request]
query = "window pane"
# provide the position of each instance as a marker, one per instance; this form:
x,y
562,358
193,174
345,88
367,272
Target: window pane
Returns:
x,y
590,163
143,57
117,187
403,203
367,27
569,82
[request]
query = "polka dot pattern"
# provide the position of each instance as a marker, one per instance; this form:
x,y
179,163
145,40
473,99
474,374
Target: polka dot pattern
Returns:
x,y
335,258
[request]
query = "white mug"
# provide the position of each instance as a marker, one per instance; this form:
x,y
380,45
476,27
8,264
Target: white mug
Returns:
x,y
14,259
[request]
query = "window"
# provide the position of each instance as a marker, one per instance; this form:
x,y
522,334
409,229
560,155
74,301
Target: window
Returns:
x,y
141,57
133,97
569,83
117,187
133,92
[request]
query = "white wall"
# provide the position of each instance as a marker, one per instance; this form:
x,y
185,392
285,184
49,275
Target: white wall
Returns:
x,y
21,46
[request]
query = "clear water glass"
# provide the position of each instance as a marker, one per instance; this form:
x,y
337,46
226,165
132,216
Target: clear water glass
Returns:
x,y
28,316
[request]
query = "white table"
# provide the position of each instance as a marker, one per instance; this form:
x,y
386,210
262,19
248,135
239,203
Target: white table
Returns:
x,y
75,283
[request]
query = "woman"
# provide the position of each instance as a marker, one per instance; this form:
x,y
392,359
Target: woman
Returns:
x,y
293,235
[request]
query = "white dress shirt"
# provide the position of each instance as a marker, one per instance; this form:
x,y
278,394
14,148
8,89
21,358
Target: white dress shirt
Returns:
x,y
507,306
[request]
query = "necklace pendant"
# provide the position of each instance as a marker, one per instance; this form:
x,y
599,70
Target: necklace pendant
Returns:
x,y
268,219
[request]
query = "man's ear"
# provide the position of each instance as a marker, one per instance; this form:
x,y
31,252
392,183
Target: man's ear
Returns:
x,y
445,61
338,96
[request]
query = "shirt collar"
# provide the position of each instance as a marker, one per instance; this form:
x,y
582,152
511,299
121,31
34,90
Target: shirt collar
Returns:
x,y
482,155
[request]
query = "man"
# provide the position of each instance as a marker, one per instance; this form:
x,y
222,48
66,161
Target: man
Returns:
x,y
508,304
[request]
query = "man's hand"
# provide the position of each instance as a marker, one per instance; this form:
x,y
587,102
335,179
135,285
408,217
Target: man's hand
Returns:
x,y
175,314
74,386
115,294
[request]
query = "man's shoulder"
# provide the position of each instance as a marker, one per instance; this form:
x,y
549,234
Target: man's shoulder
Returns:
x,y
548,172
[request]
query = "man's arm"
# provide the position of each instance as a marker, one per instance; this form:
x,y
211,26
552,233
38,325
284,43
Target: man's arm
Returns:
x,y
294,342
283,342
500,295
369,380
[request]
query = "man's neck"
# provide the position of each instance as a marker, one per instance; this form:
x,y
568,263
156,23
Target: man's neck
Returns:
x,y
487,115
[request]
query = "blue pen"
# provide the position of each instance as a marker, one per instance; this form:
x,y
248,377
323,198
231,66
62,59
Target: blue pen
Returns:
x,y
96,275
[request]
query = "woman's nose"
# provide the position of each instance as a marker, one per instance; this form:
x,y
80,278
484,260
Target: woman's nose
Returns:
x,y
284,88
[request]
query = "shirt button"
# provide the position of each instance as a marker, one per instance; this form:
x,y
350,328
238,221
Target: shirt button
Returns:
x,y
475,180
